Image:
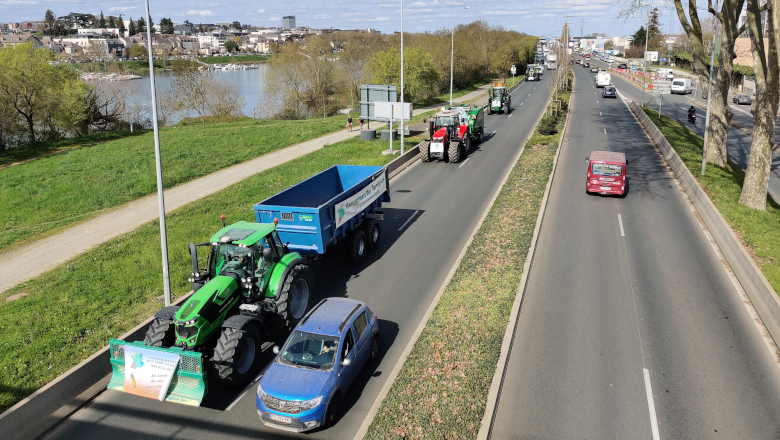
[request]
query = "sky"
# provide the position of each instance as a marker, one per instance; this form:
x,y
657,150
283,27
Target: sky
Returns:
x,y
539,18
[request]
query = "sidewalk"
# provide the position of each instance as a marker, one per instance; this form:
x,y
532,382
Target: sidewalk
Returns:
x,y
15,267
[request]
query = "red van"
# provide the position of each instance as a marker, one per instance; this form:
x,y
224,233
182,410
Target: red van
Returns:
x,y
606,173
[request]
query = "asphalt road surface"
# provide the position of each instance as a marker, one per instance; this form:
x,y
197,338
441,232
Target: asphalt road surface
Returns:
x,y
627,300
676,106
435,207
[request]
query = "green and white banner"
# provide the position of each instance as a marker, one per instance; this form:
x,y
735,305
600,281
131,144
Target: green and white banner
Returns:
x,y
350,207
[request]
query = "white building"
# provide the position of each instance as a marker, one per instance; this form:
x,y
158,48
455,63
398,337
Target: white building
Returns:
x,y
214,40
288,22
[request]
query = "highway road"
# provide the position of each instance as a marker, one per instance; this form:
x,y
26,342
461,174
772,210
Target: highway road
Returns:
x,y
435,207
677,108
630,327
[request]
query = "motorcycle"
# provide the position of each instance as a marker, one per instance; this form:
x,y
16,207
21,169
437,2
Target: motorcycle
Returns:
x,y
692,118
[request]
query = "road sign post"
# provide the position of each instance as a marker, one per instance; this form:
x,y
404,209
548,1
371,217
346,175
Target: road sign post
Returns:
x,y
513,70
661,87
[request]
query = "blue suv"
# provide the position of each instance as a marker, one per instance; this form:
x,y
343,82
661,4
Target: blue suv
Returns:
x,y
302,388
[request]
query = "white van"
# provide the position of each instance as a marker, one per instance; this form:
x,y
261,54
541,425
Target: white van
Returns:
x,y
666,74
603,79
682,86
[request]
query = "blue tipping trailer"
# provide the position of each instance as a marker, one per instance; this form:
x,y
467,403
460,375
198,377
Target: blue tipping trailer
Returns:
x,y
338,205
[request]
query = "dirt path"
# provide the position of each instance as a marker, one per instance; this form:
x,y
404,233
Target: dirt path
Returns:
x,y
15,267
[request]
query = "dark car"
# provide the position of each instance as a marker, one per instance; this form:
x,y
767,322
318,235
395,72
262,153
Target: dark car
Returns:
x,y
742,99
302,388
622,66
609,92
586,64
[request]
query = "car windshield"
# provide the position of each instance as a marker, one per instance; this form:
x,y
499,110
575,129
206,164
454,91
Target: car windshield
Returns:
x,y
678,83
606,169
497,93
231,258
609,89
309,350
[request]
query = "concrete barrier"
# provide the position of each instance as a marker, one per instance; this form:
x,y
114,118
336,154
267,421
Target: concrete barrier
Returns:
x,y
755,284
57,400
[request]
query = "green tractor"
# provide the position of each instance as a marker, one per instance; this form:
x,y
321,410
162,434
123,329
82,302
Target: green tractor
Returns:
x,y
251,286
499,100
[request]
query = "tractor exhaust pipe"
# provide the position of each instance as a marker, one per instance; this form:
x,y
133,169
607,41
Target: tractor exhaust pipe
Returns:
x,y
196,275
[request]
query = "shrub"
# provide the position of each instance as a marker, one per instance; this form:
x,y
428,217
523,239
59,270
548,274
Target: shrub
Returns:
x,y
548,125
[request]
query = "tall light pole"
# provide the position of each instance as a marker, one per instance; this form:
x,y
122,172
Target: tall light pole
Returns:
x,y
158,164
452,54
709,101
644,64
402,82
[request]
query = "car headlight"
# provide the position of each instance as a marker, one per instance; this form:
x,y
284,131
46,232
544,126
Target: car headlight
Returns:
x,y
261,394
309,404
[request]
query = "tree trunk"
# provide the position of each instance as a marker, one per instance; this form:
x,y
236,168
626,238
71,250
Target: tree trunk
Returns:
x,y
720,116
31,128
754,188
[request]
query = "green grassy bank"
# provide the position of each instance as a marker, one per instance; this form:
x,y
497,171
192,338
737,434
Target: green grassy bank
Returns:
x,y
72,311
441,391
758,230
43,196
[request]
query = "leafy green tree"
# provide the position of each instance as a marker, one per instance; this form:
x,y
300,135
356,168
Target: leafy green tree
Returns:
x,y
47,98
138,51
132,30
49,24
111,22
102,21
420,75
236,25
231,45
140,25
121,24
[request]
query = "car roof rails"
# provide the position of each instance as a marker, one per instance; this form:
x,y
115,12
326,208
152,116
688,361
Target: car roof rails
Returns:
x,y
303,320
344,322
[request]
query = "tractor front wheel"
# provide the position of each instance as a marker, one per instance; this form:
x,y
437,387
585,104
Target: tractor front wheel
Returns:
x,y
424,147
235,355
160,333
454,152
293,302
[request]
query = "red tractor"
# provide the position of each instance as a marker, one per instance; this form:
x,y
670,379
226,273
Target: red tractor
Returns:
x,y
450,137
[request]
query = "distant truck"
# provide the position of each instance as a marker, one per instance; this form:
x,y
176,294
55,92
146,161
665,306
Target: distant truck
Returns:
x,y
603,79
552,62
338,205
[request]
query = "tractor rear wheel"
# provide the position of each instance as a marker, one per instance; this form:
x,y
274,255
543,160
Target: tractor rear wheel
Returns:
x,y
466,144
293,301
356,246
160,333
235,355
454,152
424,147
371,228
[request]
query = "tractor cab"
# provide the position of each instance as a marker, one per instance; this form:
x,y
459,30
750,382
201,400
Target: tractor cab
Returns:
x,y
499,100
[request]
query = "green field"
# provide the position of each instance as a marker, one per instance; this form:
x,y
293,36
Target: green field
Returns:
x,y
44,195
441,391
758,230
72,311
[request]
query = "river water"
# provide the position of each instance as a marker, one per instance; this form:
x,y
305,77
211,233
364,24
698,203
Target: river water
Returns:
x,y
250,85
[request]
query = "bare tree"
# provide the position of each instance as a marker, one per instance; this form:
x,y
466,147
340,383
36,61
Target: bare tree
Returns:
x,y
196,91
766,66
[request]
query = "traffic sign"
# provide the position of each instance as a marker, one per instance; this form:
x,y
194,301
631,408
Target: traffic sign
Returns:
x,y
633,68
660,100
662,87
513,69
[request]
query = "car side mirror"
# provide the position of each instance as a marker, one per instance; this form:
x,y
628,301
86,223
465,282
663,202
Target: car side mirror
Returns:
x,y
346,362
275,349
268,255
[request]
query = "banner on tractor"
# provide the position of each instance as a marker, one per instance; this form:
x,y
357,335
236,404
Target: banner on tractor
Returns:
x,y
148,373
350,207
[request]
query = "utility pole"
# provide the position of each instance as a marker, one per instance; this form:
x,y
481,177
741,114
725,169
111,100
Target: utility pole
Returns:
x,y
644,64
402,84
709,102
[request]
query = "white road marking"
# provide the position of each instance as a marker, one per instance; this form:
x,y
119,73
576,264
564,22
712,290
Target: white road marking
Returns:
x,y
597,101
529,94
521,103
246,390
494,132
464,163
600,114
410,218
605,131
651,405
620,220
510,115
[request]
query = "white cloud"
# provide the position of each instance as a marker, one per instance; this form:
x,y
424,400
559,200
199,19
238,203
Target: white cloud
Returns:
x,y
17,2
204,13
274,18
262,11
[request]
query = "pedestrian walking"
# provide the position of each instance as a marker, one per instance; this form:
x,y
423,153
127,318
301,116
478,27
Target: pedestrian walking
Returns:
x,y
349,123
361,123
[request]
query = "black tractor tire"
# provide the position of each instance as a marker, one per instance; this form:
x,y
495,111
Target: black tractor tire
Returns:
x,y
356,246
373,233
161,333
481,136
454,152
424,155
466,144
295,298
332,413
235,356
509,107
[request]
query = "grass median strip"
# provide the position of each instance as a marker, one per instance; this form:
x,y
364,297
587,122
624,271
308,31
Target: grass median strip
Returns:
x,y
441,391
758,230
72,311
50,193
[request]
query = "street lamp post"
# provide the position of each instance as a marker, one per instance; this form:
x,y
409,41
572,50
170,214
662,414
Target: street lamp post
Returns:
x,y
644,64
452,54
401,123
709,101
158,163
